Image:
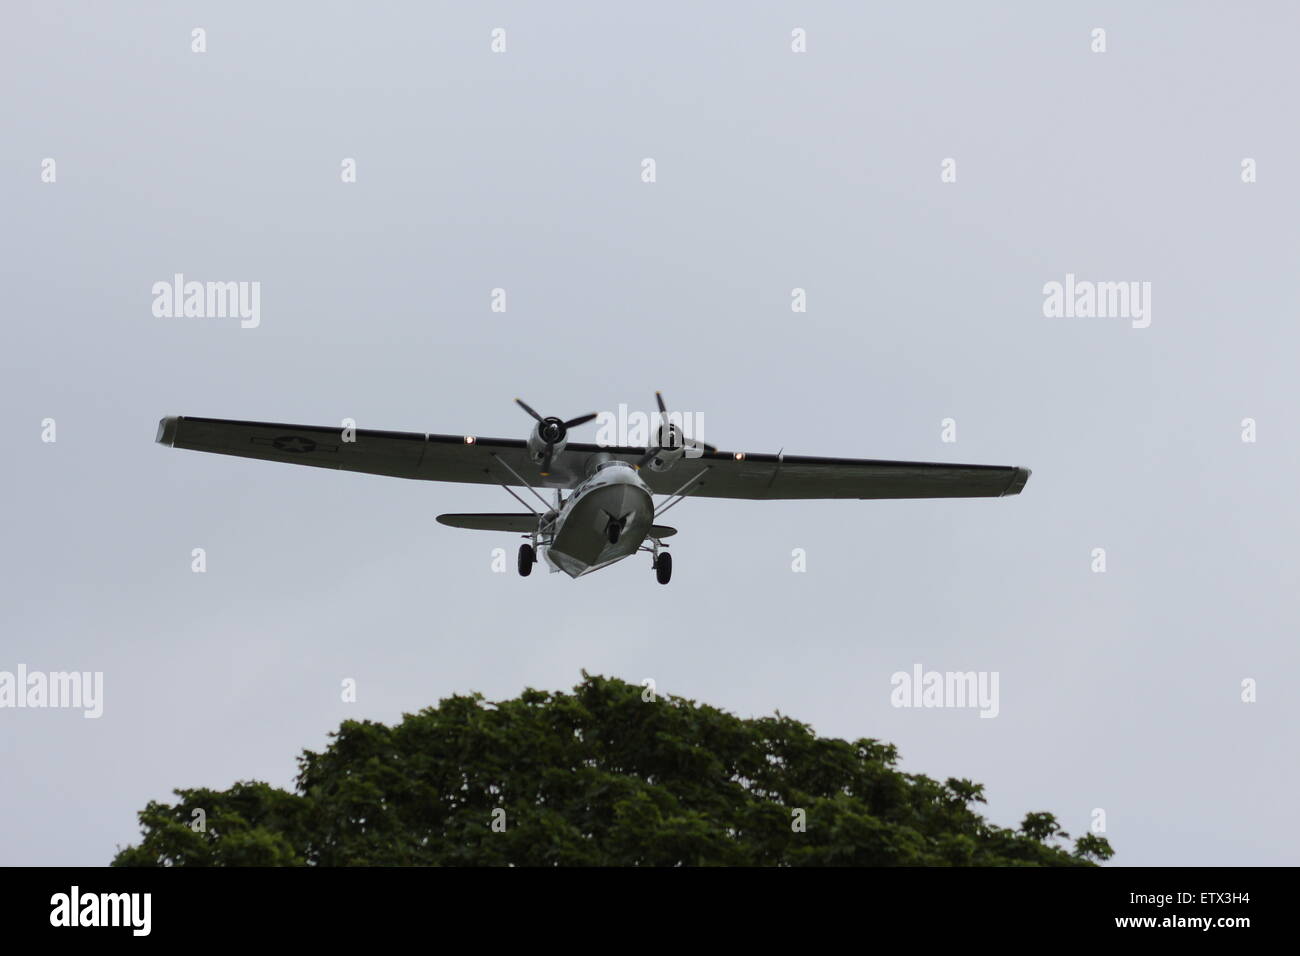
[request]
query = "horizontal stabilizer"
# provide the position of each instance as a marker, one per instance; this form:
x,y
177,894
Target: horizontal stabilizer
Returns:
x,y
520,524
523,524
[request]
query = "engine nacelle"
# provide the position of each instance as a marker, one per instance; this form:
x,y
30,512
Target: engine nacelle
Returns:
x,y
671,444
665,459
549,431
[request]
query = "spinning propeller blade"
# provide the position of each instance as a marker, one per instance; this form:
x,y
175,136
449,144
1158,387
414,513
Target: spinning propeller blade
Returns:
x,y
528,408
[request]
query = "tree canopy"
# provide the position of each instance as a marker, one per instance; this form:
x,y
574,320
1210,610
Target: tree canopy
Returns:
x,y
606,775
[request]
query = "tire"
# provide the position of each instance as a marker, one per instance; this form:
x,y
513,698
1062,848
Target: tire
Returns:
x,y
664,568
527,558
613,531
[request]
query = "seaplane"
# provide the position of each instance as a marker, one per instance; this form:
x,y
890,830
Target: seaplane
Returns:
x,y
603,507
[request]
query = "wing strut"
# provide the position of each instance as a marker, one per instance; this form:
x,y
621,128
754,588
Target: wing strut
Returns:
x,y
521,500
502,463
681,492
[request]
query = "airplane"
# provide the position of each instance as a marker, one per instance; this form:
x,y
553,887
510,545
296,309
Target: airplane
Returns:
x,y
609,513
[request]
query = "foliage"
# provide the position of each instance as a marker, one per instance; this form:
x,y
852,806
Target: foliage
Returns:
x,y
597,777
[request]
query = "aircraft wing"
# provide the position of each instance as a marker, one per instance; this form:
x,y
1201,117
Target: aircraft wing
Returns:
x,y
396,454
764,476
504,461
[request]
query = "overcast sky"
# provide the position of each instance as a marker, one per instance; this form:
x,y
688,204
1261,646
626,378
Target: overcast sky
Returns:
x,y
775,170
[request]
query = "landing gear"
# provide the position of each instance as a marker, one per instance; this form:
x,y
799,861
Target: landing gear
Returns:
x,y
527,558
664,568
613,530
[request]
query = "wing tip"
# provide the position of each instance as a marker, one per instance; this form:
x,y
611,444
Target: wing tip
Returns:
x,y
1018,481
167,429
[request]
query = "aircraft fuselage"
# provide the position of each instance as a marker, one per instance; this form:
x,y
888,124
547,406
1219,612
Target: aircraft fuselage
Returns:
x,y
613,495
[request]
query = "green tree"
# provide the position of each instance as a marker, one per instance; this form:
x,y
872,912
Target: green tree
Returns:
x,y
1091,847
1042,827
597,777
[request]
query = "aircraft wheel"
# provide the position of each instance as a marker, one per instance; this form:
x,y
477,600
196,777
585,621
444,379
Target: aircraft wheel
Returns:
x,y
664,568
527,558
613,531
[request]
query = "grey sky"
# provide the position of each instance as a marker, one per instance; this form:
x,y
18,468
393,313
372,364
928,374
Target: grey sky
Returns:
x,y
775,170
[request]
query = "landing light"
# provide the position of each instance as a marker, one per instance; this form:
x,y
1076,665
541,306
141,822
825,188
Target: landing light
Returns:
x,y
469,439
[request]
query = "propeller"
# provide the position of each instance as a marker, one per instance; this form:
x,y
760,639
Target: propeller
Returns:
x,y
552,430
653,453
